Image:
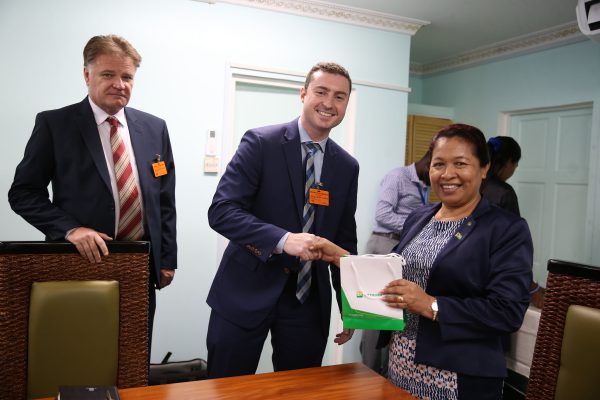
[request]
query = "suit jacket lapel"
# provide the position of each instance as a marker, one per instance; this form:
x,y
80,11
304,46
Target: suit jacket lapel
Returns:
x,y
293,158
409,233
464,230
91,137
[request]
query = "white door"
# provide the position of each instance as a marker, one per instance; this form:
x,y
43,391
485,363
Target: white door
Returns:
x,y
552,183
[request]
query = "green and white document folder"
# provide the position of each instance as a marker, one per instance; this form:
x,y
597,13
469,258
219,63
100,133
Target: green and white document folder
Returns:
x,y
362,279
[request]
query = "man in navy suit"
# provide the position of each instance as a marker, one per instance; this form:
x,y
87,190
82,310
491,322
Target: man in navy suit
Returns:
x,y
72,149
259,205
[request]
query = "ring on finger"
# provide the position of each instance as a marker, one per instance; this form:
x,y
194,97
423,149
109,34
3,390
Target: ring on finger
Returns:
x,y
400,299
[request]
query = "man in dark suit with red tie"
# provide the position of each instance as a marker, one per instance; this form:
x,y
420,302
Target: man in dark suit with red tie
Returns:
x,y
285,185
111,168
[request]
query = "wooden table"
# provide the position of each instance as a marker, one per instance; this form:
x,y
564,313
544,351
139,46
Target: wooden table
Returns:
x,y
343,382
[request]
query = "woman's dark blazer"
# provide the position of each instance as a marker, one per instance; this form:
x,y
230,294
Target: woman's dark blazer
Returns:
x,y
481,282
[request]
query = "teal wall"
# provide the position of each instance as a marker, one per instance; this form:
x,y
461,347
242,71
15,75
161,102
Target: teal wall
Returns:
x,y
551,78
187,48
416,86
559,76
416,105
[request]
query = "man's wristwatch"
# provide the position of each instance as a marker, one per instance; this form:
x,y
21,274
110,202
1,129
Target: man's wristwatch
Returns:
x,y
434,309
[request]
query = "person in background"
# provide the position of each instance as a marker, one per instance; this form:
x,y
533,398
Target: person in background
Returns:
x,y
99,156
466,281
285,184
402,190
505,154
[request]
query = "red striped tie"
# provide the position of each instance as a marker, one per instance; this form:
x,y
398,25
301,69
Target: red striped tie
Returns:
x,y
130,205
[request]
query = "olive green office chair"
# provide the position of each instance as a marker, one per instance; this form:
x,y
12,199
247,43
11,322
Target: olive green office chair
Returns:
x,y
73,335
30,274
567,349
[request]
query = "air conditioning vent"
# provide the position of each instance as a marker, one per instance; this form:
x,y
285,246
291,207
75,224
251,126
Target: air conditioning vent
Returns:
x,y
588,18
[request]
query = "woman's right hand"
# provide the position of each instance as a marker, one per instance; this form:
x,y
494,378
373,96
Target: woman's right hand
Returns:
x,y
330,252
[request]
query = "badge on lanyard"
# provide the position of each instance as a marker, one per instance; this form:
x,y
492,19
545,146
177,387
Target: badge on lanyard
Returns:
x,y
159,167
318,196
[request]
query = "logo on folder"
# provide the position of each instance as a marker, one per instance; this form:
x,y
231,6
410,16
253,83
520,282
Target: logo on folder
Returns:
x,y
360,294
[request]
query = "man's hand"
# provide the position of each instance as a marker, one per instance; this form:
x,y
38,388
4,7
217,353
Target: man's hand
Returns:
x,y
300,244
89,243
166,277
343,336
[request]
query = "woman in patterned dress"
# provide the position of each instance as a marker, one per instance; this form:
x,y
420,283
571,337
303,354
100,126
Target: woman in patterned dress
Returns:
x,y
466,282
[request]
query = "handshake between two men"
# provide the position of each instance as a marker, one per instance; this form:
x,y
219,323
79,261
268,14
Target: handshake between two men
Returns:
x,y
311,247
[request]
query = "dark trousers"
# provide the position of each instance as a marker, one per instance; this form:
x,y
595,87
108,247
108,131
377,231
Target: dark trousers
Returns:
x,y
297,337
151,298
479,388
151,312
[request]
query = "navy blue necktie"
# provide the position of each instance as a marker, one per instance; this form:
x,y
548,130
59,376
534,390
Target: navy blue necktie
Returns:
x,y
308,218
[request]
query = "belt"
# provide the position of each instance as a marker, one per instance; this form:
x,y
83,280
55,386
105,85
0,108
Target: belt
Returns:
x,y
390,235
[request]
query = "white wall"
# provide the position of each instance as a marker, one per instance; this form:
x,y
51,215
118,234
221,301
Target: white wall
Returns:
x,y
187,47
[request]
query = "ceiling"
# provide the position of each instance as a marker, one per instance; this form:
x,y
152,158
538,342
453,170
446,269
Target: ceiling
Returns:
x,y
460,26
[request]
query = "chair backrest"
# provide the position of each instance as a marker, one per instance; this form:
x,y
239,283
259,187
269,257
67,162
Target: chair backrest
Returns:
x,y
23,263
568,284
73,335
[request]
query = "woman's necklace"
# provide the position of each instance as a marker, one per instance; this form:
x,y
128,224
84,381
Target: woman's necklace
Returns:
x,y
439,217
446,214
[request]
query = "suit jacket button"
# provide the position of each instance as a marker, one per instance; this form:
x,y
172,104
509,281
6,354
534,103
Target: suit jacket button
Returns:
x,y
286,270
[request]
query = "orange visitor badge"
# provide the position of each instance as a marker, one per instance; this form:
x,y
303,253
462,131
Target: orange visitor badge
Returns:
x,y
159,168
318,197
